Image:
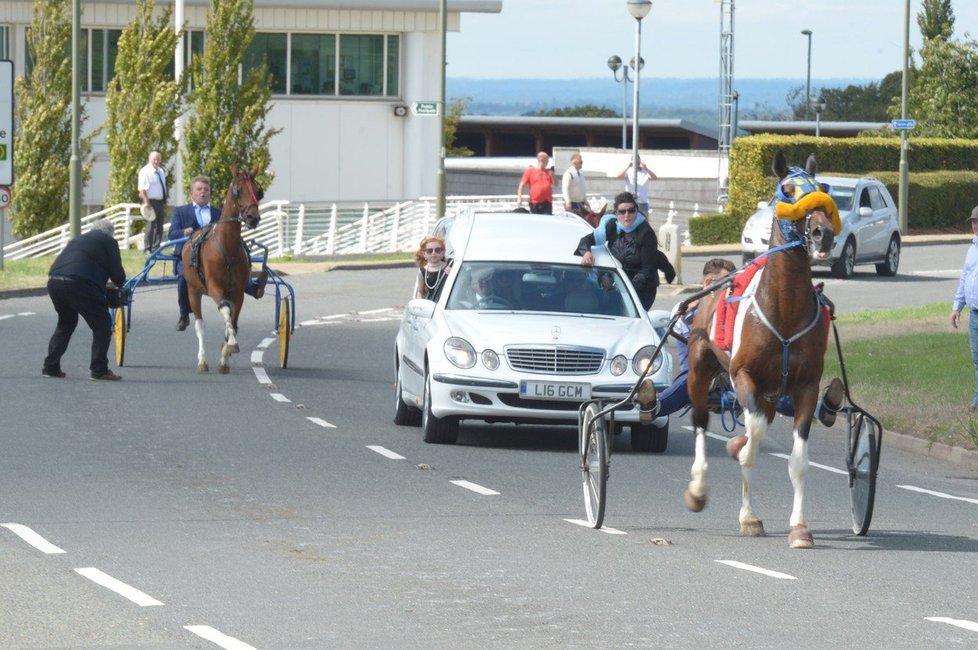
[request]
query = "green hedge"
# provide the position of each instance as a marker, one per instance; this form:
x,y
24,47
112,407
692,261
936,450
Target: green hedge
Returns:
x,y
715,229
936,200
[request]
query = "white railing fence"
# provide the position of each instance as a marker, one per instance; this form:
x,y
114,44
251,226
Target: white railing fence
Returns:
x,y
331,229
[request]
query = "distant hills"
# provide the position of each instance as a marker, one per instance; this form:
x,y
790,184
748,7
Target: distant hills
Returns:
x,y
691,99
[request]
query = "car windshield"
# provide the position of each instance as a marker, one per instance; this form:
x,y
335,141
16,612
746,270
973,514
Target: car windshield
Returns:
x,y
842,195
524,286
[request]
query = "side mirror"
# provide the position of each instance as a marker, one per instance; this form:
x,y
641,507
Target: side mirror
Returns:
x,y
421,307
865,212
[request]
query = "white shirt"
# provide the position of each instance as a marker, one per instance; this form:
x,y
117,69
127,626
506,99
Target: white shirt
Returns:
x,y
151,180
642,195
572,185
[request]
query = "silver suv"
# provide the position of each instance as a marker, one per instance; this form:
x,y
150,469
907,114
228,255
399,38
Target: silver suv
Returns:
x,y
870,228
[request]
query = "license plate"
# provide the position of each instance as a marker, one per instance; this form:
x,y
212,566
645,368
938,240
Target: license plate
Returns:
x,y
554,390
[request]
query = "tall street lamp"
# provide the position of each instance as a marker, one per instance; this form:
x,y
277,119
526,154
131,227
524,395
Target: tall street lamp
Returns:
x,y
615,64
818,104
808,74
638,9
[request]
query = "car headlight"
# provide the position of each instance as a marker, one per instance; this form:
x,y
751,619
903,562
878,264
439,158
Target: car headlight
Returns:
x,y
619,365
460,352
490,359
644,357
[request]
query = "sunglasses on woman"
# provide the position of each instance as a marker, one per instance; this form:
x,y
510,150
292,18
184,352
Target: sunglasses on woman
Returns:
x,y
434,250
627,210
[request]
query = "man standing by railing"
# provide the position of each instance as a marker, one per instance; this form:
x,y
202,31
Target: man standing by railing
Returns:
x,y
152,192
540,180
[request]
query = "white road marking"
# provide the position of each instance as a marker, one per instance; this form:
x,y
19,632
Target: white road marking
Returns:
x,y
218,638
818,465
757,569
256,356
384,451
27,313
262,376
709,434
322,423
954,273
377,311
119,587
279,397
32,538
376,320
603,529
6,316
476,488
266,342
957,622
942,495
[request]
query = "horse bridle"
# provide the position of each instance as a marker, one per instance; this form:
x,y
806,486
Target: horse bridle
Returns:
x,y
249,182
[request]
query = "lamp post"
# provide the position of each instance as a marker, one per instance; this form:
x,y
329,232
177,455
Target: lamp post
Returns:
x,y
638,9
615,64
808,74
818,104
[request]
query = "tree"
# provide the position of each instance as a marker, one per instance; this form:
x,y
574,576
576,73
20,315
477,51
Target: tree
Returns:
x,y
456,107
942,95
142,102
936,19
584,110
43,124
227,120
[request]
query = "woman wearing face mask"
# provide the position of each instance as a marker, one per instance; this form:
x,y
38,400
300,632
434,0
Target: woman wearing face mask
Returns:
x,y
631,240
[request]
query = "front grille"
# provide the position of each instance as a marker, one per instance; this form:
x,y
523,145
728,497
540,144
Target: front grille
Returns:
x,y
555,359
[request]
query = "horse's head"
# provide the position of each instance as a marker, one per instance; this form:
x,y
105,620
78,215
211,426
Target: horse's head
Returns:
x,y
804,211
244,195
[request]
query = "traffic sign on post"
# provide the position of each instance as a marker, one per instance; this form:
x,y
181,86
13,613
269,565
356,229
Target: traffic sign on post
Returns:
x,y
6,122
903,125
426,108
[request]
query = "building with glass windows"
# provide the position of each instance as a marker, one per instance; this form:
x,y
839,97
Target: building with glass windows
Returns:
x,y
348,78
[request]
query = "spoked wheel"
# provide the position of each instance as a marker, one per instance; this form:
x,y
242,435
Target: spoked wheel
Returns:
x,y
284,332
593,445
863,444
119,335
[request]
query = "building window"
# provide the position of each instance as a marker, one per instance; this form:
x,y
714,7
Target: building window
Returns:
x,y
361,65
393,69
313,64
99,49
273,50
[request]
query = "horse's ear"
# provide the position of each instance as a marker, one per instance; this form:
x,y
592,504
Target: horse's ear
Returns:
x,y
810,164
604,208
780,165
234,170
254,171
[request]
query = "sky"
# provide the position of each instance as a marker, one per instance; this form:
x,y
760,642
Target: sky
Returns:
x,y
567,39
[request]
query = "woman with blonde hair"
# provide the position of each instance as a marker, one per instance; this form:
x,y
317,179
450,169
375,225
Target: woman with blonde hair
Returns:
x,y
432,267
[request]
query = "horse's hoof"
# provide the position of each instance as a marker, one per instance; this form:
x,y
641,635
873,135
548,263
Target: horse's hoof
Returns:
x,y
694,503
735,444
224,369
752,528
800,537
202,368
233,348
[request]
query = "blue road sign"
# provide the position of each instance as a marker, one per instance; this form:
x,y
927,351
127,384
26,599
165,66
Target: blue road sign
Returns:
x,y
901,125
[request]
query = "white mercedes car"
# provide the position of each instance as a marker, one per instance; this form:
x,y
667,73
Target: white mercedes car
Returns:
x,y
521,332
870,227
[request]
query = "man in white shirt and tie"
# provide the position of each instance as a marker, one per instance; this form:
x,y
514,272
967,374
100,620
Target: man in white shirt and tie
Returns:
x,y
151,184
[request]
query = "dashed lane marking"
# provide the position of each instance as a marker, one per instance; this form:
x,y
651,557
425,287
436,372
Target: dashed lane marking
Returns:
x,y
126,591
956,622
321,422
756,569
818,465
475,487
32,538
262,376
603,529
383,451
933,493
279,397
218,638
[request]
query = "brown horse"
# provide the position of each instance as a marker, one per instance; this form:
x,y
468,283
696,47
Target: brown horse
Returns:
x,y
779,342
224,267
592,217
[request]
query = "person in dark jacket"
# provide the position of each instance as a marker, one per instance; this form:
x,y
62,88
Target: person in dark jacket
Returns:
x,y
631,240
76,284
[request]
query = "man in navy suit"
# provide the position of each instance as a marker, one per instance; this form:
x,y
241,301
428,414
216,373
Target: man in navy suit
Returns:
x,y
184,221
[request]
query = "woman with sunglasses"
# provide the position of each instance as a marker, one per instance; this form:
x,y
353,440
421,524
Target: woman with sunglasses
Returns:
x,y
432,268
631,240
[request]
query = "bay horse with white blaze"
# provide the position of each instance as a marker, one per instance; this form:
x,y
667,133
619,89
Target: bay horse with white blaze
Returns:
x,y
223,266
779,342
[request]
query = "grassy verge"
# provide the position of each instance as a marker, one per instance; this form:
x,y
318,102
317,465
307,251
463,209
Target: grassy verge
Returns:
x,y
910,369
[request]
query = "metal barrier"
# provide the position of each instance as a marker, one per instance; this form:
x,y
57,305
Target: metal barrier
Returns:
x,y
336,228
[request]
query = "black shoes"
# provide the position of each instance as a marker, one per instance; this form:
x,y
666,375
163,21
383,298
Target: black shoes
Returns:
x,y
831,401
260,283
183,322
108,376
53,374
